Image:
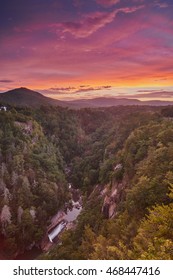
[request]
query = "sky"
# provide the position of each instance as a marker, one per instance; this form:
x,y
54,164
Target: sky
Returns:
x,y
72,49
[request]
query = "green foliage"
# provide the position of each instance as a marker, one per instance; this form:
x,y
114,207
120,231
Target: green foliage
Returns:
x,y
31,179
154,239
147,158
94,149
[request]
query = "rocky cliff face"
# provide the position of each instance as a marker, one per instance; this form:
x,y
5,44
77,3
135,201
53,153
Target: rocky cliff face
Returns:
x,y
112,197
111,194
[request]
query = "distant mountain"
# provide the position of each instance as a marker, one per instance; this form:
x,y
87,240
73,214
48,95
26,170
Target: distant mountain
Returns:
x,y
157,103
113,101
26,97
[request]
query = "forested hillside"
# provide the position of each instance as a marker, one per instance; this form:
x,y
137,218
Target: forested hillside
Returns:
x,y
121,160
32,182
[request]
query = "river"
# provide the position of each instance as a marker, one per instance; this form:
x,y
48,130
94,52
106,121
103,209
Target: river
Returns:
x,y
65,220
69,217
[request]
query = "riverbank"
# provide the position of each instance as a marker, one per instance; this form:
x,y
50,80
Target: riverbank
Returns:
x,y
62,220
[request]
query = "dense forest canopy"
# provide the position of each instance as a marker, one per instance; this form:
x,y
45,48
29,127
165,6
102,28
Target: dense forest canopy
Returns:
x,y
121,159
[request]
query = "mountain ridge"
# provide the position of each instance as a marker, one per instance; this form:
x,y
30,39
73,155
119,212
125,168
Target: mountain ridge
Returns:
x,y
26,97
29,98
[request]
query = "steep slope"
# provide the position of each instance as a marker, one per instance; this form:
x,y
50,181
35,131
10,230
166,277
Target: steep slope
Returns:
x,y
26,97
32,182
128,212
121,159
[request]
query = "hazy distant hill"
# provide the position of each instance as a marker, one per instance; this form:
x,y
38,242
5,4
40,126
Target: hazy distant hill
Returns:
x,y
112,101
26,97
104,102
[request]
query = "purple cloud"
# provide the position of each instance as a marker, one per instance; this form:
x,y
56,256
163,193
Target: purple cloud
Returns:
x,y
62,88
73,90
162,5
93,88
88,25
6,81
107,3
92,22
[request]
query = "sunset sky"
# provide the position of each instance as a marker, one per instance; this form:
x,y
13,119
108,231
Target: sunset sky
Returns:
x,y
70,49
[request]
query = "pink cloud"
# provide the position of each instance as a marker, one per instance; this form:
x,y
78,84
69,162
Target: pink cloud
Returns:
x,y
149,94
88,25
66,90
130,9
112,59
73,91
109,3
62,88
161,4
87,89
92,22
132,49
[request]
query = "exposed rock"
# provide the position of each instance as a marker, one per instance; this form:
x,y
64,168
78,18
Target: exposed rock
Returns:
x,y
112,209
118,167
27,127
112,198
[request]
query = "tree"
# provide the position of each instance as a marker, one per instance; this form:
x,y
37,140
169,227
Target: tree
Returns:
x,y
155,234
5,218
88,241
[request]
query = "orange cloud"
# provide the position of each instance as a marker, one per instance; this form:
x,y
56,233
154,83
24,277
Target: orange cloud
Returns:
x,y
127,46
150,94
